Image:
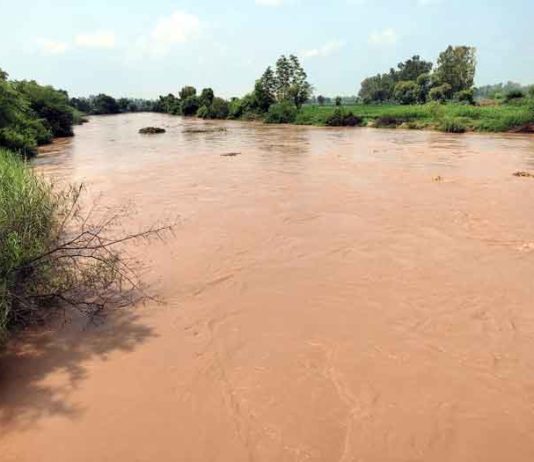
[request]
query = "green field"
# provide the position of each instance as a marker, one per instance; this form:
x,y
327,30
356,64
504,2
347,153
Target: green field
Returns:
x,y
445,117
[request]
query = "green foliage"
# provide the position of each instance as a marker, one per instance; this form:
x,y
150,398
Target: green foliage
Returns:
x,y
406,92
50,105
377,89
218,109
187,92
340,118
514,94
338,100
104,104
31,114
441,93
189,106
281,113
206,97
321,99
465,96
456,67
412,68
26,219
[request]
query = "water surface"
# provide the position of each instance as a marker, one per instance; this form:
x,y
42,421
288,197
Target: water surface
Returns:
x,y
330,295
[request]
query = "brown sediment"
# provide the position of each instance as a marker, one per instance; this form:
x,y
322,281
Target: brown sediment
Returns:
x,y
325,301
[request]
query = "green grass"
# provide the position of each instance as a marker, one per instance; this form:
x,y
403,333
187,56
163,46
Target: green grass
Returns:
x,y
27,215
500,118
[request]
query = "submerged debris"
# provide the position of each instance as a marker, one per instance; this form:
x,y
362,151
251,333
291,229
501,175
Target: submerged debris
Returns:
x,y
437,178
204,130
230,154
524,174
151,130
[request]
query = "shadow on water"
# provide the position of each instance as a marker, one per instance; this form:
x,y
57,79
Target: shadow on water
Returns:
x,y
39,372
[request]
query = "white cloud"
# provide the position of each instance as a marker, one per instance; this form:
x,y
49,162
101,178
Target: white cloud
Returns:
x,y
51,47
178,28
384,37
98,39
325,50
269,2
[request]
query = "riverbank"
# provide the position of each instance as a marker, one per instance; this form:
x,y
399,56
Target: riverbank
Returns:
x,y
441,117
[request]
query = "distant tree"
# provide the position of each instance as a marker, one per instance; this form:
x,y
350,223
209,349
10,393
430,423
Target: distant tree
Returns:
x,y
82,104
412,68
300,90
219,109
320,100
283,78
338,100
206,97
124,104
456,67
105,104
187,91
424,85
190,105
377,89
3,74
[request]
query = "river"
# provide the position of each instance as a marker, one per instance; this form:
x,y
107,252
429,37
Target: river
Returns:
x,y
351,295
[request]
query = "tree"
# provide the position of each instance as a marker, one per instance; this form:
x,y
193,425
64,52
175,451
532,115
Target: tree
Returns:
x,y
441,93
320,100
187,91
190,105
456,67
283,78
412,68
377,89
406,92
300,90
105,104
424,85
338,100
50,105
206,97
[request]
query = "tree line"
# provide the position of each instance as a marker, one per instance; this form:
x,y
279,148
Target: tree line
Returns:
x,y
277,96
416,81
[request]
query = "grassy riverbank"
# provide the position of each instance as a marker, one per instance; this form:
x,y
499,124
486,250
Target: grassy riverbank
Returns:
x,y
444,117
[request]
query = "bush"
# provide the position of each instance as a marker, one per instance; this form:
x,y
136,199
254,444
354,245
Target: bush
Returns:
x,y
441,93
452,125
281,113
514,95
465,96
406,92
203,112
219,109
51,255
340,118
389,121
189,106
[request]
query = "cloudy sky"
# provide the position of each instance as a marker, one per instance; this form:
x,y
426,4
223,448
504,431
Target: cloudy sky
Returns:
x,y
150,47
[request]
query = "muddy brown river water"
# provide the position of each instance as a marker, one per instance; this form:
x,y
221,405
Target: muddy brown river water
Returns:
x,y
329,295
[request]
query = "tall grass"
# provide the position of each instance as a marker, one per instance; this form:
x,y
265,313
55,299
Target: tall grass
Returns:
x,y
28,216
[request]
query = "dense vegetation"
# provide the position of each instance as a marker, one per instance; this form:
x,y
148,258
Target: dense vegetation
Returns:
x,y
105,104
32,114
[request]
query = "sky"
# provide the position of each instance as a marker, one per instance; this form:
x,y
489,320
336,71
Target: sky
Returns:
x,y
144,48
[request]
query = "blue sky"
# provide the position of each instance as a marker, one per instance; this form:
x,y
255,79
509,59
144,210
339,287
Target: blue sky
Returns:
x,y
150,47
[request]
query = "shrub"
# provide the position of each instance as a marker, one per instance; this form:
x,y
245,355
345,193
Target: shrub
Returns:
x,y
189,106
51,255
281,113
406,92
389,121
452,125
514,95
340,118
203,112
465,96
219,109
441,93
